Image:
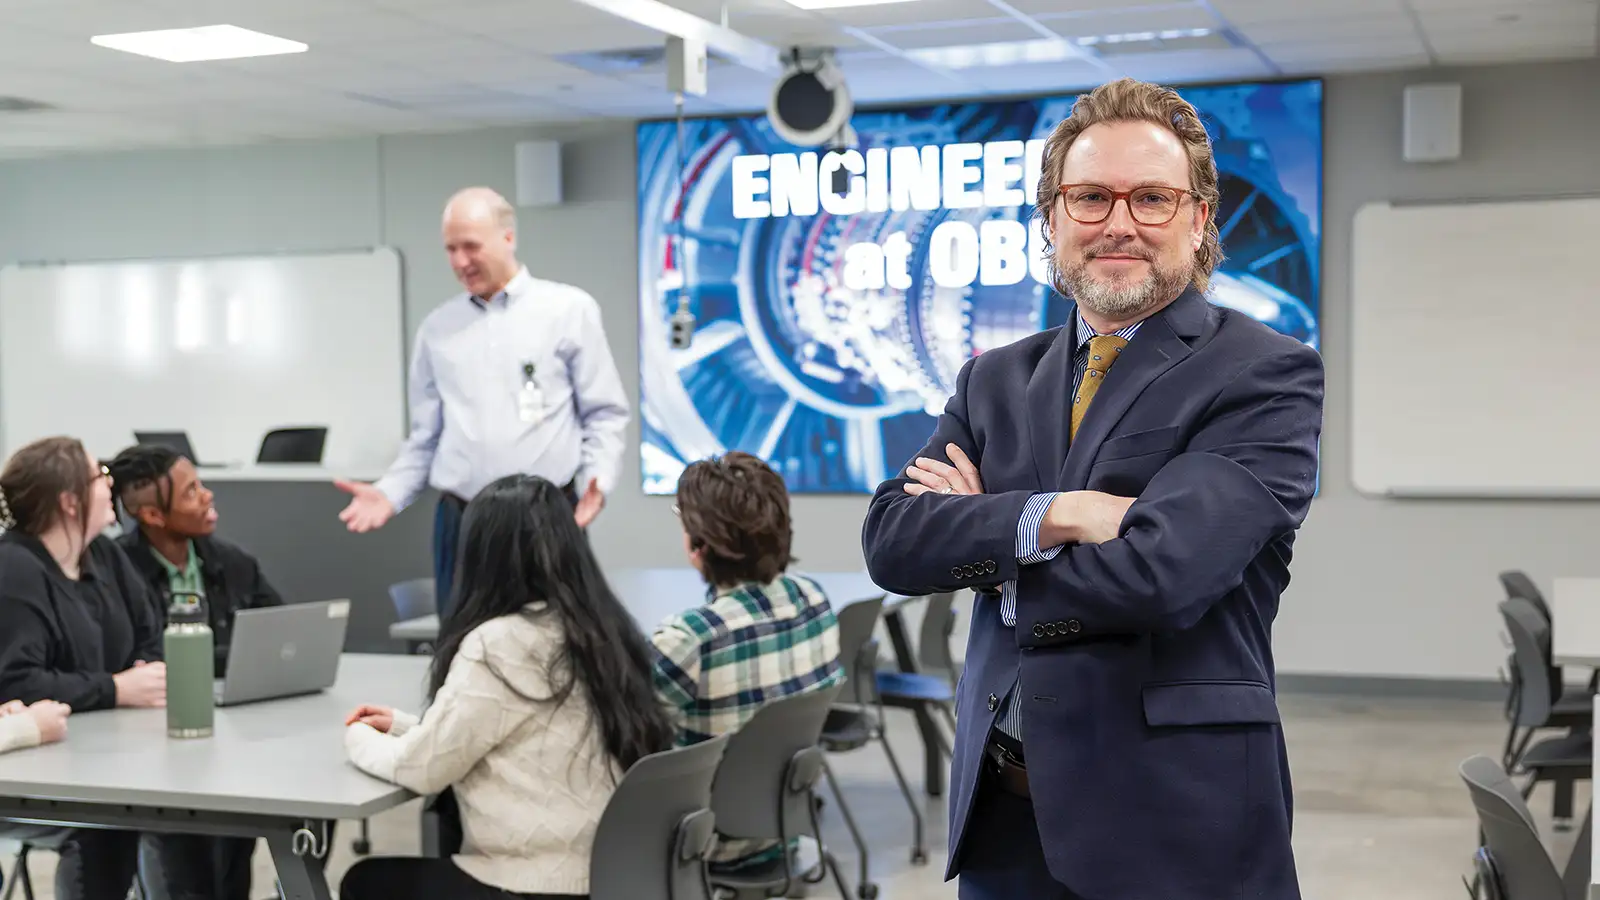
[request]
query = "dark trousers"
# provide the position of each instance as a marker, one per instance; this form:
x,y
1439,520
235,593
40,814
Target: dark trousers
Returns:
x,y
447,542
97,865
195,867
1001,855
400,878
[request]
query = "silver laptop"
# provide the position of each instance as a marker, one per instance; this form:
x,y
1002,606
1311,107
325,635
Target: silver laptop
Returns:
x,y
282,651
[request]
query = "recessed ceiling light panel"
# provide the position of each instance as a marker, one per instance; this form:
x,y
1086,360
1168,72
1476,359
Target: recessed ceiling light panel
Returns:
x,y
208,42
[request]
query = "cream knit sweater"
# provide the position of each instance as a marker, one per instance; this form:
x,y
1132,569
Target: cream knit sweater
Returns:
x,y
17,731
531,779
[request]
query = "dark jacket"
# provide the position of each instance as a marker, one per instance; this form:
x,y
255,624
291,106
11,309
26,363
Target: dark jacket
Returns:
x,y
232,580
62,639
1149,723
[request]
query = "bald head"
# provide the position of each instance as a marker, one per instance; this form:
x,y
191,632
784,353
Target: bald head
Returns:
x,y
480,237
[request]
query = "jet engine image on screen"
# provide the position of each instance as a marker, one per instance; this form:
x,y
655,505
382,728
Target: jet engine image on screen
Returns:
x,y
837,291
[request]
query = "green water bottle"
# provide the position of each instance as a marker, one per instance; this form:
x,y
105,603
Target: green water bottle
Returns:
x,y
191,668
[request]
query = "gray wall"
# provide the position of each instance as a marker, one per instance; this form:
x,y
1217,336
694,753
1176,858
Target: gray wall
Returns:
x,y
1380,587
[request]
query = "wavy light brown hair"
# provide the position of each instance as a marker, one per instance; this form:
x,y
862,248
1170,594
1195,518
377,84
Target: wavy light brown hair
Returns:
x,y
35,478
735,510
1128,100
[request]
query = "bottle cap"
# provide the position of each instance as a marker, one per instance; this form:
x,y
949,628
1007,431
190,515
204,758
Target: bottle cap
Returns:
x,y
188,608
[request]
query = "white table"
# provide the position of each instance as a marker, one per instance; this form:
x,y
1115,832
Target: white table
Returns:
x,y
270,770
1575,622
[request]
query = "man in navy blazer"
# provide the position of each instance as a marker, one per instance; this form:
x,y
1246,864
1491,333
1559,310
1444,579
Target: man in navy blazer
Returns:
x,y
1123,494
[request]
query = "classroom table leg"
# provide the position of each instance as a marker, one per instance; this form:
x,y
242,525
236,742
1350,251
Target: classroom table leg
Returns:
x,y
906,657
301,873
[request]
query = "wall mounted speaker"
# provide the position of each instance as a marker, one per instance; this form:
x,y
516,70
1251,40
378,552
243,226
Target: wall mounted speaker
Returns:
x,y
1432,123
538,173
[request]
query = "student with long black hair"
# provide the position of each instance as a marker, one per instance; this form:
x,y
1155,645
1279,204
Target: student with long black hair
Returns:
x,y
76,624
540,699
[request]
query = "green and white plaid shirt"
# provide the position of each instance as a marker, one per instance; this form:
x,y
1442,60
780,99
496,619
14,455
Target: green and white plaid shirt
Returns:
x,y
717,664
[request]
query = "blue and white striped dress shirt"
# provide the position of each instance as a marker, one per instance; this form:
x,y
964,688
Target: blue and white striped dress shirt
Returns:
x,y
1028,549
470,421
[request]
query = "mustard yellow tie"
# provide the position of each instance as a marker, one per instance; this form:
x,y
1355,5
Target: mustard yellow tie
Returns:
x,y
1103,351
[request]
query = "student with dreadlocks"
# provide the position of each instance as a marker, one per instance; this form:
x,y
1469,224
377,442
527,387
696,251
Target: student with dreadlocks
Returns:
x,y
174,549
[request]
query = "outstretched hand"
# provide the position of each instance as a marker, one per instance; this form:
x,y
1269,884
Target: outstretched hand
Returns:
x,y
930,474
369,509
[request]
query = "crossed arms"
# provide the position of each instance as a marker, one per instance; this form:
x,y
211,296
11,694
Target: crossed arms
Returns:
x,y
1245,477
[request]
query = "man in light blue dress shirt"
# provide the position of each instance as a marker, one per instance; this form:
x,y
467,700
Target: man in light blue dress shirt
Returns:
x,y
514,376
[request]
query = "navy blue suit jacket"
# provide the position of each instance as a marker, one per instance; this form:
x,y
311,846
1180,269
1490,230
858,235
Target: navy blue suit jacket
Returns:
x,y
1155,756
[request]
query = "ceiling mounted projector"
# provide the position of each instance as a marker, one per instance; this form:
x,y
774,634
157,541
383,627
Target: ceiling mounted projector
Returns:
x,y
810,103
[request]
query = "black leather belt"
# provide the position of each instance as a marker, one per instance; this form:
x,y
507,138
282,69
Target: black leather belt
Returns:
x,y
1009,773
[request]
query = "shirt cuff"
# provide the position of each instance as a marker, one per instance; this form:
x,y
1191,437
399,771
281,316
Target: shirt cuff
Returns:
x,y
1028,549
370,750
403,722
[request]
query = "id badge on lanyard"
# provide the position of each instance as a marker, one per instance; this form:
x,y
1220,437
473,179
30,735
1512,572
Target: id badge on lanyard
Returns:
x,y
529,400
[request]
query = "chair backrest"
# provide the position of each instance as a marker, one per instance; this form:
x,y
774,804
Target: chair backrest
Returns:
x,y
413,599
293,445
657,828
763,786
1535,683
858,649
933,639
1517,857
1518,584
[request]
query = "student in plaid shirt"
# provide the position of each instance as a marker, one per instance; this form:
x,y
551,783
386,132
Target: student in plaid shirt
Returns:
x,y
762,634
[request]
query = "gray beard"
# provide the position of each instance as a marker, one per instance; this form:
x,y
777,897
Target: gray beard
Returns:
x,y
1122,299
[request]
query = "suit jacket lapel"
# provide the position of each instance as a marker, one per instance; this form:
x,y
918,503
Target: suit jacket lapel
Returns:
x,y
1158,346
1047,404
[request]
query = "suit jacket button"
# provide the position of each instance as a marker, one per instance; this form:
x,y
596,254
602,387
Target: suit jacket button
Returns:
x,y
1074,626
989,567
969,571
1050,628
955,572
1038,631
994,702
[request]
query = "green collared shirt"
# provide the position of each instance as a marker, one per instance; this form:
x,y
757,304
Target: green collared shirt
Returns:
x,y
185,579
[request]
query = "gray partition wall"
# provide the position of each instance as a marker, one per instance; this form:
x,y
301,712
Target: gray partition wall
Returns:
x,y
293,528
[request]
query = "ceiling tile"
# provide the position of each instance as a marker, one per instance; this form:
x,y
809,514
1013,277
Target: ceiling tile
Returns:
x,y
1194,65
1580,19
1127,21
1339,29
922,12
1391,47
1245,12
948,34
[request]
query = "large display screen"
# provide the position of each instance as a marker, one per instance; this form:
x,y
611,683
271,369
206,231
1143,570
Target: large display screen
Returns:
x,y
830,326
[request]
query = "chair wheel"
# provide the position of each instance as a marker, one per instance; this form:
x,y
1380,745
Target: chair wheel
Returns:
x,y
868,891
360,847
919,858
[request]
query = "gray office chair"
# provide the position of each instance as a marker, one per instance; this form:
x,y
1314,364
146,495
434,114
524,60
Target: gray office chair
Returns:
x,y
858,718
1564,760
932,692
1512,862
412,600
657,828
32,838
1517,584
766,790
46,839
933,639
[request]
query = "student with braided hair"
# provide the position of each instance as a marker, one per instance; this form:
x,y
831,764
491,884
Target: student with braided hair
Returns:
x,y
174,547
174,544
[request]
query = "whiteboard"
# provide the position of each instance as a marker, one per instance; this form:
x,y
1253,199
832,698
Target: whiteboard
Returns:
x,y
225,349
1475,349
